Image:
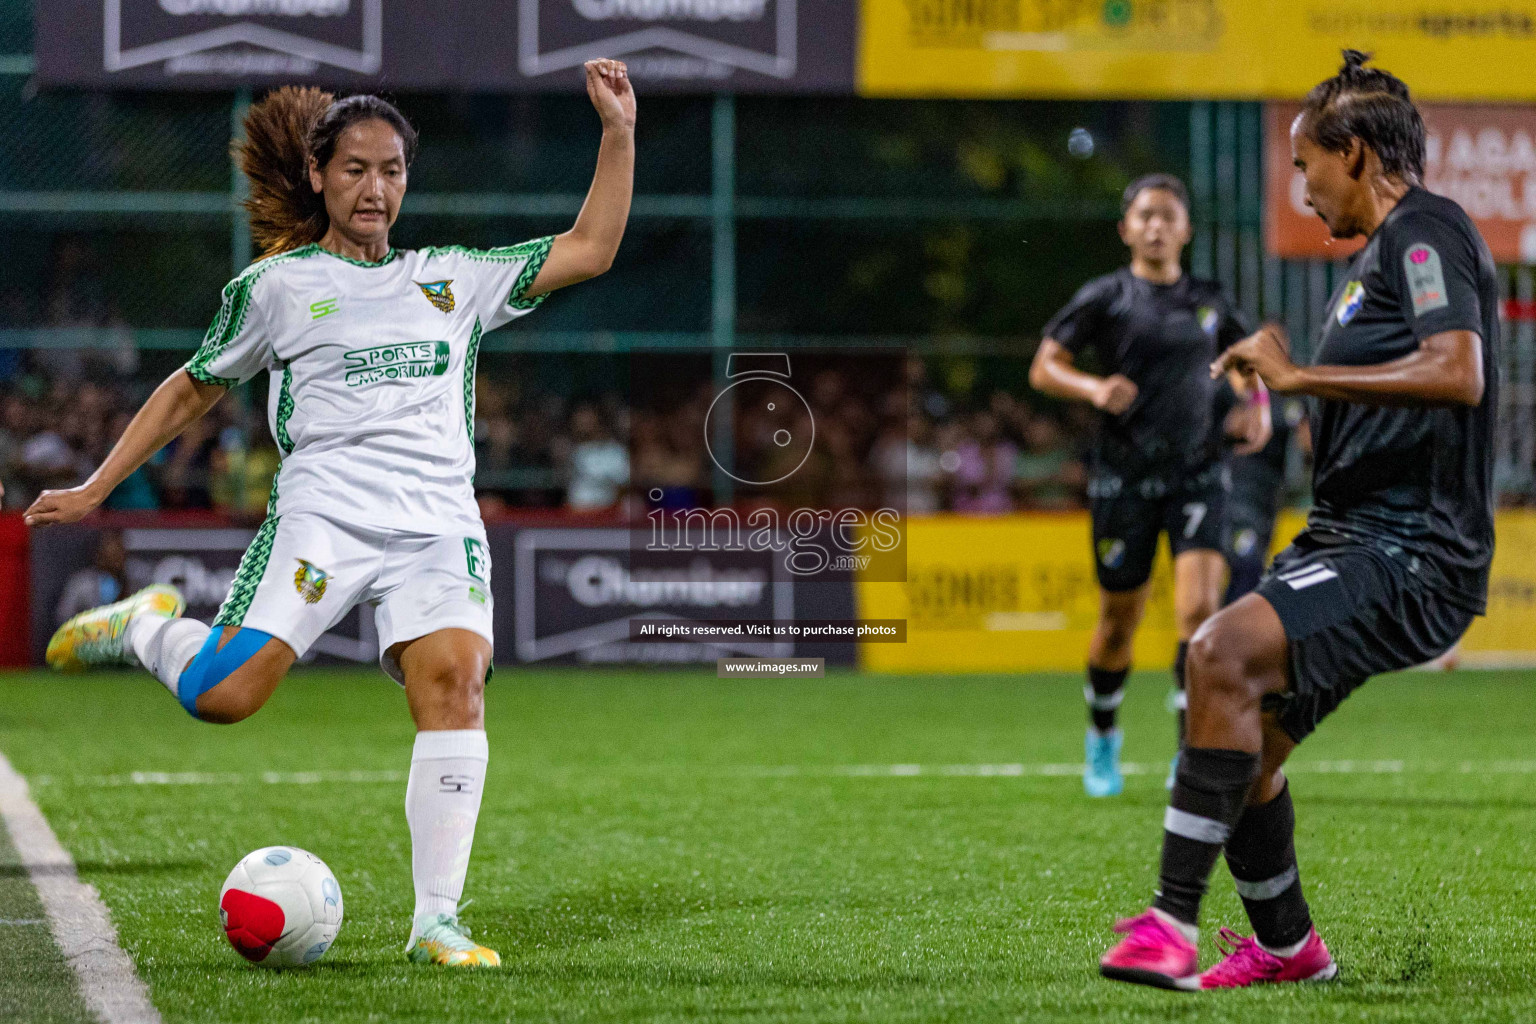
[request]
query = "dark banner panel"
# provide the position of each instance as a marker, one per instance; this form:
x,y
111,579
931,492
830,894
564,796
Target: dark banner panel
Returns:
x,y
68,576
563,595
747,46
568,595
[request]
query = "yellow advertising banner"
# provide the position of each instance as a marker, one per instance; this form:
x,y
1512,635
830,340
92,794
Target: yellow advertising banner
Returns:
x,y
1181,49
1012,594
1018,594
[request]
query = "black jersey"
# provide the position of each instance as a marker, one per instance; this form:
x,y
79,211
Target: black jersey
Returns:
x,y
1417,479
1164,338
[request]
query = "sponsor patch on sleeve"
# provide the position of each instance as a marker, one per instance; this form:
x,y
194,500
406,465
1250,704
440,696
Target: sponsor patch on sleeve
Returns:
x,y
1426,278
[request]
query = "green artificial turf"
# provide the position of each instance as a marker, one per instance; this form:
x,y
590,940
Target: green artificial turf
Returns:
x,y
36,984
666,846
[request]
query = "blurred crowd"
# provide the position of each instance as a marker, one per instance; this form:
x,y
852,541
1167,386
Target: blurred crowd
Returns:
x,y
900,443
54,432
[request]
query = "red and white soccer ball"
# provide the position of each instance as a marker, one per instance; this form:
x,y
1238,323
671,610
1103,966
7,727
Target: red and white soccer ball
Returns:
x,y
281,907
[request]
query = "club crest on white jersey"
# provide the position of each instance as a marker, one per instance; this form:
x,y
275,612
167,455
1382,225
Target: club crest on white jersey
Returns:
x,y
438,293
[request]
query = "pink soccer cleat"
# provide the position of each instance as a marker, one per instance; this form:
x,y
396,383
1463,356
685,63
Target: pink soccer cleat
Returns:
x,y
1247,963
1153,952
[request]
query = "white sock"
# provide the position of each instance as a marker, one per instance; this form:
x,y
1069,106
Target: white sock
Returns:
x,y
164,646
1189,931
1283,952
442,801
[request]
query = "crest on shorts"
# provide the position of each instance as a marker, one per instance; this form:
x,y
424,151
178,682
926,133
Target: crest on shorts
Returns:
x,y
310,581
438,293
1111,552
1350,302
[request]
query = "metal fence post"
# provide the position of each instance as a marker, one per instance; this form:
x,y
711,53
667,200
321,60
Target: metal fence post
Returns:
x,y
239,189
1200,255
723,284
239,253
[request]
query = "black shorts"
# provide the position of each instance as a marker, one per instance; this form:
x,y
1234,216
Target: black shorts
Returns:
x,y
1350,611
1129,513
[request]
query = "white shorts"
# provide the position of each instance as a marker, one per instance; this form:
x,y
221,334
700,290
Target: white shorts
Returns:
x,y
305,571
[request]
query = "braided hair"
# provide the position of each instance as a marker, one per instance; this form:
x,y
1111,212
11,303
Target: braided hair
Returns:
x,y
1371,105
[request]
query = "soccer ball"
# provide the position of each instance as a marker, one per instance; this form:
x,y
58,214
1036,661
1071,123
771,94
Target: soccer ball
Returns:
x,y
280,907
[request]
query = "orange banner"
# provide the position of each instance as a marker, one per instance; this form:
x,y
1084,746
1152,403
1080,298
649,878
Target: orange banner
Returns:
x,y
1484,157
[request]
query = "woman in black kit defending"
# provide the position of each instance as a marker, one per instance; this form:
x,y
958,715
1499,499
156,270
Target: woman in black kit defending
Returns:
x,y
1393,564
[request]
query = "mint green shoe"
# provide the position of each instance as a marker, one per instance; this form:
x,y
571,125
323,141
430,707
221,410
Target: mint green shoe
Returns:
x,y
441,939
1101,763
99,636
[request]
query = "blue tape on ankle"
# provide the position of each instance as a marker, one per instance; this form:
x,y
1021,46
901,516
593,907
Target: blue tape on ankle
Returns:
x,y
214,664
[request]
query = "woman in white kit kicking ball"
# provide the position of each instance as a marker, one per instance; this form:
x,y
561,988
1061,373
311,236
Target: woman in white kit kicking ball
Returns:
x,y
371,352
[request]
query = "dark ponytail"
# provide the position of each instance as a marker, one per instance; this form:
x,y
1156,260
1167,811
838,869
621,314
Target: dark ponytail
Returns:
x,y
282,132
1373,106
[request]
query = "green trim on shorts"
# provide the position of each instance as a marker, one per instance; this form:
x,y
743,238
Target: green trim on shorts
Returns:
x,y
253,566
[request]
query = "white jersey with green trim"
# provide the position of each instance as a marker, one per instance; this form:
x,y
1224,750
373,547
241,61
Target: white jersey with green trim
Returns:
x,y
372,366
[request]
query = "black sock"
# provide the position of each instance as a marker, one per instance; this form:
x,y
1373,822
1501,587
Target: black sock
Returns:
x,y
1180,659
1207,800
1106,688
1261,854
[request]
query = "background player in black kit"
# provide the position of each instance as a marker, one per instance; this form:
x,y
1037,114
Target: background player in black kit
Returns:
x,y
1258,479
1158,464
1394,562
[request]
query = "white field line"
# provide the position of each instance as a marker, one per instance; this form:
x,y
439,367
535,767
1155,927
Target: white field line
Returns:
x,y
218,778
1061,769
84,932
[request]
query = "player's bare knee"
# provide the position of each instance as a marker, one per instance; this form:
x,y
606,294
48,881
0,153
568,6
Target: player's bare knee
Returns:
x,y
1191,614
1217,668
1117,628
457,683
228,708
1113,647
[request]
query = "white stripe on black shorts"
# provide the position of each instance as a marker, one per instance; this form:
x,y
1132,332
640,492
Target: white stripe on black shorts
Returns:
x,y
1350,611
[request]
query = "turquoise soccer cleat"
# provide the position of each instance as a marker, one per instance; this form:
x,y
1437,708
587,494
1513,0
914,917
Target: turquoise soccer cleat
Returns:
x,y
1101,763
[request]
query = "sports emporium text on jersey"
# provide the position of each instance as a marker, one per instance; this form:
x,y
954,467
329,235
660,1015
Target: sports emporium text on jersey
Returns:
x,y
396,362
